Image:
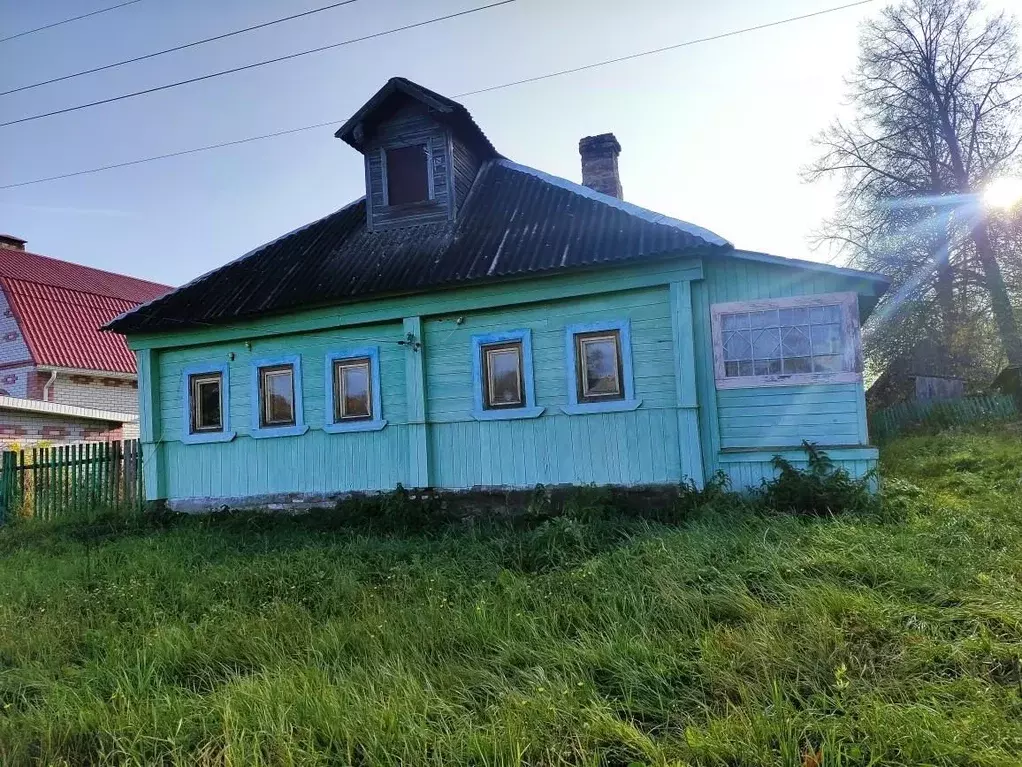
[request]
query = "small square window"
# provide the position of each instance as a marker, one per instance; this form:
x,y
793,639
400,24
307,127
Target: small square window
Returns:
x,y
407,174
503,378
206,402
598,359
353,395
277,396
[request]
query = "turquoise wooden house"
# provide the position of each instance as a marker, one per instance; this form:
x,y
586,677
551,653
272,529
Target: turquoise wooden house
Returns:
x,y
475,323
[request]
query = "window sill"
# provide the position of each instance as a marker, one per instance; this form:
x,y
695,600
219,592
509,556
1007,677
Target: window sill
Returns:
x,y
202,439
269,432
508,414
793,379
615,406
354,426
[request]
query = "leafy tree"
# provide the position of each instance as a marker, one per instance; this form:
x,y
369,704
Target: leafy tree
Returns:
x,y
937,100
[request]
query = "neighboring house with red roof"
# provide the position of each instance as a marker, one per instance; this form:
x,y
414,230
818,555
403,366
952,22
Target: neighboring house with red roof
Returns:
x,y
52,351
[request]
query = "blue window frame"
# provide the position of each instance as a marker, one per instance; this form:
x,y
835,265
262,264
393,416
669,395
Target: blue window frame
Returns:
x,y
503,381
598,361
352,386
200,381
273,415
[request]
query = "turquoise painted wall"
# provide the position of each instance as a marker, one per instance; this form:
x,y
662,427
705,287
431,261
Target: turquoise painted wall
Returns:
x,y
315,462
741,429
631,448
431,436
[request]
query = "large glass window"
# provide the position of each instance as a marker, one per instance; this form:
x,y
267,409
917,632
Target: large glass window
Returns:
x,y
773,341
786,340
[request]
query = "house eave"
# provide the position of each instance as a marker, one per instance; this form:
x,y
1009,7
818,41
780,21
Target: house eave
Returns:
x,y
71,411
879,280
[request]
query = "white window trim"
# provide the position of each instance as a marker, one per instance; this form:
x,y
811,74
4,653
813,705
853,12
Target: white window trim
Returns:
x,y
851,352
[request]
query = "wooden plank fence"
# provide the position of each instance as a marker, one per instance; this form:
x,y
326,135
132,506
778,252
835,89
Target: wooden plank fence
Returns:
x,y
48,482
889,422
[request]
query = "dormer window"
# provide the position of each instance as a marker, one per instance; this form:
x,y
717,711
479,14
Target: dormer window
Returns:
x,y
407,174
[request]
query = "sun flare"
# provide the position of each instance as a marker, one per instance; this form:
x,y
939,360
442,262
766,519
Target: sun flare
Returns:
x,y
1003,193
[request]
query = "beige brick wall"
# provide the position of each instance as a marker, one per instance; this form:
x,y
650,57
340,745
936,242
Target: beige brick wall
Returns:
x,y
28,429
115,394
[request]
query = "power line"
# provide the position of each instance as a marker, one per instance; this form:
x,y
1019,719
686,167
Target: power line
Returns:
x,y
68,21
510,84
255,65
171,154
176,48
664,49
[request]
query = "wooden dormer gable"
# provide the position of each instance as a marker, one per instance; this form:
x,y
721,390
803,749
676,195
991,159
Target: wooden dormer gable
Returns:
x,y
422,153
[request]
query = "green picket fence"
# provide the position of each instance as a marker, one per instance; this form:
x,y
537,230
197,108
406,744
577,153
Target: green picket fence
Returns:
x,y
941,413
48,482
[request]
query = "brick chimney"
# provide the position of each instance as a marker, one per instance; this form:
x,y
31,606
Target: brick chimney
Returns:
x,y
11,242
599,164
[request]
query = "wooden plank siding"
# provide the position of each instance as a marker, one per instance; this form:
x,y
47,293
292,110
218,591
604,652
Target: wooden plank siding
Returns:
x,y
431,436
630,448
410,125
771,418
465,166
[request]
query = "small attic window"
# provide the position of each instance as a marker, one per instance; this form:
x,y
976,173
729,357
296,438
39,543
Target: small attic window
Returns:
x,y
407,174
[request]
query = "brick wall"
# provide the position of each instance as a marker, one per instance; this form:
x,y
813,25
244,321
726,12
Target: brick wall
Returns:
x,y
15,381
116,394
32,428
12,344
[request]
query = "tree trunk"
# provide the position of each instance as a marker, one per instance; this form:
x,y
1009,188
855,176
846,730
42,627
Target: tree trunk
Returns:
x,y
1004,314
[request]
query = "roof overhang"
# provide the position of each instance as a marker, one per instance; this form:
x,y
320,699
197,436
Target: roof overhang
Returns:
x,y
71,411
879,280
93,373
355,131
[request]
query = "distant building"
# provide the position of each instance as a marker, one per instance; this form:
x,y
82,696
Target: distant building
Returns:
x,y
61,379
929,374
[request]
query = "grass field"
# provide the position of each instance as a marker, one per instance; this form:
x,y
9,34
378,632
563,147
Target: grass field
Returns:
x,y
734,637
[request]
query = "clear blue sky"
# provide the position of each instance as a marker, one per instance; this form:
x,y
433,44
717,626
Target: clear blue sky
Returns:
x,y
713,134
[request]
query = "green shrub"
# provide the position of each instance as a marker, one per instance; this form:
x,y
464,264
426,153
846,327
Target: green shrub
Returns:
x,y
396,512
820,489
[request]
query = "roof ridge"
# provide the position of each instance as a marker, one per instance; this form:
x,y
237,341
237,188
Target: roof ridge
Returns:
x,y
627,207
75,264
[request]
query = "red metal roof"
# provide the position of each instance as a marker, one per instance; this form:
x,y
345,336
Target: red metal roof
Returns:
x,y
60,307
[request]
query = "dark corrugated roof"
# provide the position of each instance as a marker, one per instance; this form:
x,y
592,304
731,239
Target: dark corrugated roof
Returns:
x,y
516,221
446,110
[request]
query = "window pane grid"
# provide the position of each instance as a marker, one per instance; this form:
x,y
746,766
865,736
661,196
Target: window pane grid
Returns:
x,y
276,389
782,341
352,390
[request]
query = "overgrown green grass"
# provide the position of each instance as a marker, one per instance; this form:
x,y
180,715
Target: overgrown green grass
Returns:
x,y
733,638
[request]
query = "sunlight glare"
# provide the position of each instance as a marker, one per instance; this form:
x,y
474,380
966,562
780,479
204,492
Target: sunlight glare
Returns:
x,y
1003,193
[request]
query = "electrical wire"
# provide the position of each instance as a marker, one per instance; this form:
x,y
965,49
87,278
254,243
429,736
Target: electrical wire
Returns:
x,y
176,48
560,73
254,65
68,21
